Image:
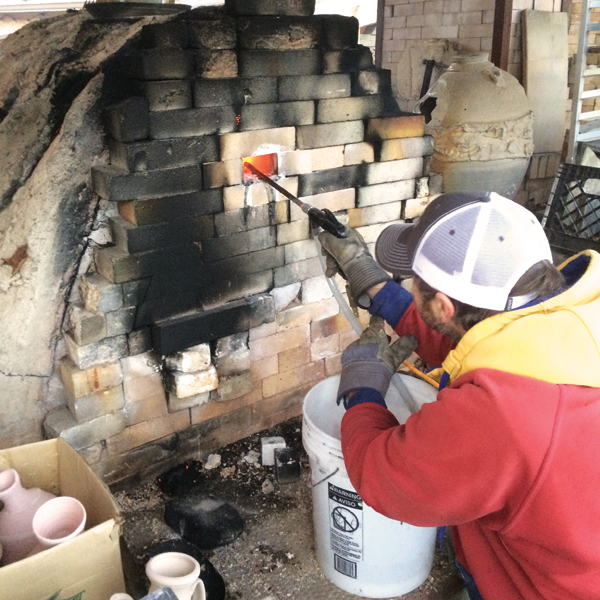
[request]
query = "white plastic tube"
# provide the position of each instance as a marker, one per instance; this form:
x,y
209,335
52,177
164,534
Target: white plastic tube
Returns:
x,y
413,407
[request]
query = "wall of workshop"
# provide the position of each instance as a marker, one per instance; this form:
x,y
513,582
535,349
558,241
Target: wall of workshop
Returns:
x,y
467,26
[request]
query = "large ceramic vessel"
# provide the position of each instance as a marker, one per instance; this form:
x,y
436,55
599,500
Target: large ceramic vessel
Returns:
x,y
482,127
20,504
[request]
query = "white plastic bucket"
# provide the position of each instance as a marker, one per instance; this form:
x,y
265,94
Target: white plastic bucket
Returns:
x,y
358,549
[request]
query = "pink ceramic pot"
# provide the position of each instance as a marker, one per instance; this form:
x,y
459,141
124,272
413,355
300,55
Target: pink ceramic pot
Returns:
x,y
58,520
20,504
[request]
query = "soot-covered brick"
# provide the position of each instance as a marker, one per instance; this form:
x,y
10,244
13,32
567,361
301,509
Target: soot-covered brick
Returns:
x,y
192,122
279,114
233,288
160,63
179,280
314,87
118,266
177,333
170,94
117,185
129,120
158,210
252,262
251,217
163,154
162,308
173,34
329,180
214,64
133,239
350,60
339,32
229,272
301,8
255,63
218,34
378,81
239,243
235,91
279,33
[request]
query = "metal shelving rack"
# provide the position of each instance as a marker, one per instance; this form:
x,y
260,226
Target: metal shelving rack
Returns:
x,y
585,126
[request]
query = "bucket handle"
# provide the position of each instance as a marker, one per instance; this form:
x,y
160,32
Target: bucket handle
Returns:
x,y
326,478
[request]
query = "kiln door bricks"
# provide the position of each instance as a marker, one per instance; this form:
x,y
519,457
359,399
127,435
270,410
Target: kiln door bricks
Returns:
x,y
201,260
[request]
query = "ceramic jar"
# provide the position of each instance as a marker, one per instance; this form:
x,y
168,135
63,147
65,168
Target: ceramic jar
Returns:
x,y
177,571
482,127
20,504
58,520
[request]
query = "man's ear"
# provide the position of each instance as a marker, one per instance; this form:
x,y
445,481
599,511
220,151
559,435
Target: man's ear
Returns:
x,y
442,307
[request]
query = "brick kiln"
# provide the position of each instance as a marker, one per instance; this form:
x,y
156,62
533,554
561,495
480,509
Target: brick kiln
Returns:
x,y
209,318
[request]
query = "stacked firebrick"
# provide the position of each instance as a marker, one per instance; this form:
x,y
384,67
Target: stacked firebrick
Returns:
x,y
208,318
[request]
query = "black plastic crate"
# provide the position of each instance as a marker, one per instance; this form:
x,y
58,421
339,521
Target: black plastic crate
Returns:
x,y
572,216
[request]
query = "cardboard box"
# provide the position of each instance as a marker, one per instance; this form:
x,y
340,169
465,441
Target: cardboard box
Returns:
x,y
88,567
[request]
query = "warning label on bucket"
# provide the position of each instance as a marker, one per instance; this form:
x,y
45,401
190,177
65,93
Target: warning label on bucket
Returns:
x,y
346,529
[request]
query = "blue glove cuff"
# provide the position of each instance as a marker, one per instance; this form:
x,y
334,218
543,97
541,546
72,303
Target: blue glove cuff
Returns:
x,y
391,302
364,396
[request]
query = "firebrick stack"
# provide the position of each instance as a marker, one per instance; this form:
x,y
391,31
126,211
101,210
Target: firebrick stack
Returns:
x,y
206,264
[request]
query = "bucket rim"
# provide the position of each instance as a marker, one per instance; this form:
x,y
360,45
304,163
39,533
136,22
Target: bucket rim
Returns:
x,y
321,442
326,439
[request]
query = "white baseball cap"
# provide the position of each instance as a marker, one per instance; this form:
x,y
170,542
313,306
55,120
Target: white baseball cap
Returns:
x,y
472,246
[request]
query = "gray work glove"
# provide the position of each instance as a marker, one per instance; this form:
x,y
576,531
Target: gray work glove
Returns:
x,y
350,257
371,362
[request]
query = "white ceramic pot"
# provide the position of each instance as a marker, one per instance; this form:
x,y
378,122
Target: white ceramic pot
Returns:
x,y
20,504
58,520
177,571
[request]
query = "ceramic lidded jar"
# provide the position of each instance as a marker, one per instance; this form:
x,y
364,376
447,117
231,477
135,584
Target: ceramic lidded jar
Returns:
x,y
20,504
482,127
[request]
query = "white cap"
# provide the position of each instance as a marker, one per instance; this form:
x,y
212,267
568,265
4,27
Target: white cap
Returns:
x,y
471,246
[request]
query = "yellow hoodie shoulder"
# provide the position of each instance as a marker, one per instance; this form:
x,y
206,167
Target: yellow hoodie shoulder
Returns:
x,y
557,340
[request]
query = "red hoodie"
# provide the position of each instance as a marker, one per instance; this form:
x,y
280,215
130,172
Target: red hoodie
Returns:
x,y
511,462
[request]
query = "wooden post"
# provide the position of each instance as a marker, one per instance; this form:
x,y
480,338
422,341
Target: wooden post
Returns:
x,y
501,37
379,33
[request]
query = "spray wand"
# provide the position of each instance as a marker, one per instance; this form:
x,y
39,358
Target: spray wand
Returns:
x,y
325,218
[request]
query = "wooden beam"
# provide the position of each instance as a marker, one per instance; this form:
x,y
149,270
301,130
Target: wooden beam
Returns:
x,y
501,37
379,33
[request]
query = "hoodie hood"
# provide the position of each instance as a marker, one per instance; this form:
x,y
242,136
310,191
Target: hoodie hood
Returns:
x,y
557,340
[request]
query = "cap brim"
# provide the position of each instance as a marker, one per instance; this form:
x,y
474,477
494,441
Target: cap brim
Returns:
x,y
391,249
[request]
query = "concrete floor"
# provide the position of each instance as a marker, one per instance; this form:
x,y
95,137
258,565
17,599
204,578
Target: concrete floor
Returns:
x,y
274,558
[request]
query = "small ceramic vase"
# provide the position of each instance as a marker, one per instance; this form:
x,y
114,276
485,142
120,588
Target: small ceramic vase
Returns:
x,y
58,520
20,504
178,571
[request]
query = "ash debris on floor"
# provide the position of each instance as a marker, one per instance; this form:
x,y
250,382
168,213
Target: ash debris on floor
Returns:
x,y
274,557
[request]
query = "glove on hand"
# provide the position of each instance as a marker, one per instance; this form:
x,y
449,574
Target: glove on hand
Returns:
x,y
350,257
371,362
